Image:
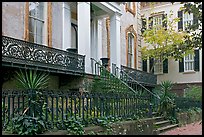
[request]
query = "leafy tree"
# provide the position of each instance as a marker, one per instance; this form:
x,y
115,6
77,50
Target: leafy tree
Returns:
x,y
195,38
167,43
163,43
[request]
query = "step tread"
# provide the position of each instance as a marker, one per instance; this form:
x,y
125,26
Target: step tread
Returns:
x,y
166,127
161,122
158,117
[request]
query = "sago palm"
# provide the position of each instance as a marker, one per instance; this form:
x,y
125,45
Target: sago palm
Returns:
x,y
30,79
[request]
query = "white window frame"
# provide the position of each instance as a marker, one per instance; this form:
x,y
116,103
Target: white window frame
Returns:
x,y
189,59
187,19
44,26
157,21
158,67
131,53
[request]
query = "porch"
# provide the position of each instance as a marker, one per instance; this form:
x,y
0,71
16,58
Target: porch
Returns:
x,y
22,54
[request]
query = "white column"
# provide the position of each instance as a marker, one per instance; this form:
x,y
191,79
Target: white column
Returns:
x,y
94,39
84,48
115,54
100,49
66,26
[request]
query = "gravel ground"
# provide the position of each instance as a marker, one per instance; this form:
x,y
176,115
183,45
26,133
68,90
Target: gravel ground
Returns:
x,y
189,129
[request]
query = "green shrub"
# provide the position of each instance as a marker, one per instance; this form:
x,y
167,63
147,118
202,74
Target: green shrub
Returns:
x,y
194,92
26,125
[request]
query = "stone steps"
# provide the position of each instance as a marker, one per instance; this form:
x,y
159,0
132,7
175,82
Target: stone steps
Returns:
x,y
161,124
165,128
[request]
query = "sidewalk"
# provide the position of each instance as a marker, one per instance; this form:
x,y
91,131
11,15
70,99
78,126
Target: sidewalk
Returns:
x,y
190,129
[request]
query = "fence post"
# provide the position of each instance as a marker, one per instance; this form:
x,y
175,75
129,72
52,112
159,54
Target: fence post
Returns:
x,y
150,110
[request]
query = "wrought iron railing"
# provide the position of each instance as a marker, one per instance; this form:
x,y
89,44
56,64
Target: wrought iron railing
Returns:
x,y
136,86
121,85
60,105
25,54
141,76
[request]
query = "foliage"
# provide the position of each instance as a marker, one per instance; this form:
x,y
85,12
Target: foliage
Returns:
x,y
166,102
194,92
108,83
26,125
195,38
74,125
31,121
31,79
173,120
162,43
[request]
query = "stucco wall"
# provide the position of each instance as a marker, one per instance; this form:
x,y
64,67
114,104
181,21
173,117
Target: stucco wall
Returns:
x,y
13,19
181,77
173,66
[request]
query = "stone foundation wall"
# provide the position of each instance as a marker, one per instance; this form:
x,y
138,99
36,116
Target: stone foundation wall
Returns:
x,y
187,117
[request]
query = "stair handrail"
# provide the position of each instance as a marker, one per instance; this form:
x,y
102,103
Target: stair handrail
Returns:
x,y
114,75
135,81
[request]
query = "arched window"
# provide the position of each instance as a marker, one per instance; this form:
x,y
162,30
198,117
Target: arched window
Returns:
x,y
131,40
130,49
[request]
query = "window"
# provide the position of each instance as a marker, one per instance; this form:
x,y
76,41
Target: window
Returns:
x,y
130,49
189,63
157,21
158,68
130,6
187,20
36,22
131,43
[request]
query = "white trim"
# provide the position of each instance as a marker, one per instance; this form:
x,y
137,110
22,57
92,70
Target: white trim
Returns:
x,y
189,61
158,66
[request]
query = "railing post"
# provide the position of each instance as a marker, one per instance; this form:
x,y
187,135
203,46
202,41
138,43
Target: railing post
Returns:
x,y
150,110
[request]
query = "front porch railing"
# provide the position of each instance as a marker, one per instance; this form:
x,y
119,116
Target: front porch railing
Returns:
x,y
142,77
19,53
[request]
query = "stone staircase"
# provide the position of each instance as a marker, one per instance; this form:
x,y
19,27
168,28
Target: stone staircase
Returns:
x,y
161,124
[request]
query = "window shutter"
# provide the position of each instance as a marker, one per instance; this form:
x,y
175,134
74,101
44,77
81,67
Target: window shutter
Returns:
x,y
150,22
180,23
181,65
164,23
151,63
165,66
195,19
144,23
196,60
144,65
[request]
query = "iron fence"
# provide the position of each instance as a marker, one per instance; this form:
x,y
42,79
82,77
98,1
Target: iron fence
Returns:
x,y
58,106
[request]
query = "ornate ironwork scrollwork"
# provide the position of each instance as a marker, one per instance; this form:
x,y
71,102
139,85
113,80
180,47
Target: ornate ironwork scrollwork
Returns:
x,y
19,51
141,76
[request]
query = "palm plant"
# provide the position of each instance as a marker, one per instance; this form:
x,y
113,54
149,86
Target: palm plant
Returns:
x,y
32,120
166,102
32,80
